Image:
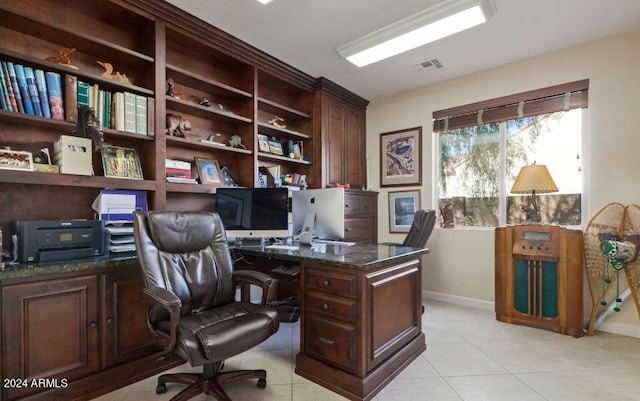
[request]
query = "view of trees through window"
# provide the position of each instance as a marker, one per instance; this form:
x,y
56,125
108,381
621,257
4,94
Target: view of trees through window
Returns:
x,y
478,166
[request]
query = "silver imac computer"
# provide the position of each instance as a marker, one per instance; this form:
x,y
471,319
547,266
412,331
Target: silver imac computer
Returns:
x,y
254,212
318,213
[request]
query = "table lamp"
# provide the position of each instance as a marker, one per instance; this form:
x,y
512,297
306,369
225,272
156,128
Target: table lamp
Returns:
x,y
533,178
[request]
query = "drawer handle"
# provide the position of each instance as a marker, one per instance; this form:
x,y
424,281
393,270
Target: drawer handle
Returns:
x,y
325,307
326,283
93,325
326,341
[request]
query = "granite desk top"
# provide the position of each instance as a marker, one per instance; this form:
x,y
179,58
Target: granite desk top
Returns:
x,y
359,256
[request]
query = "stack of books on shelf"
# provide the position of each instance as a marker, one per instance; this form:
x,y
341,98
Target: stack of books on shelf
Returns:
x,y
121,238
178,171
29,90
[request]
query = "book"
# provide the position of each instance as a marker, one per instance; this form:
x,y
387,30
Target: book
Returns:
x,y
41,85
141,114
181,180
151,109
24,90
5,104
99,111
14,85
107,110
119,111
10,90
33,91
93,100
82,93
71,97
129,112
54,89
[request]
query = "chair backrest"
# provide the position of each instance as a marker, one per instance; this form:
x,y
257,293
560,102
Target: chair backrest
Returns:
x,y
421,228
186,253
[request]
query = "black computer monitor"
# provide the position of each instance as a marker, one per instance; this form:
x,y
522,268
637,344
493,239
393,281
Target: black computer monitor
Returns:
x,y
254,212
324,206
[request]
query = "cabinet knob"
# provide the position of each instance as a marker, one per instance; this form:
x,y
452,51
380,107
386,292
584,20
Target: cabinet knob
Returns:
x,y
110,321
326,341
326,282
325,307
93,325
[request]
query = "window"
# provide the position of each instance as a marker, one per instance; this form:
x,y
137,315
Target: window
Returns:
x,y
479,158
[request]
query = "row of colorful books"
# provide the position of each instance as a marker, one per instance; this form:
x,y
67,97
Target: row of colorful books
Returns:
x,y
30,90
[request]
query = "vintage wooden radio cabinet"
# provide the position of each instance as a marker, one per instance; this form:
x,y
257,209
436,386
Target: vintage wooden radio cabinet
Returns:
x,y
538,273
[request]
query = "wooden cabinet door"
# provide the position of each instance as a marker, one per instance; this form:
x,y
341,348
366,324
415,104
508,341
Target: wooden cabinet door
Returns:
x,y
50,331
125,335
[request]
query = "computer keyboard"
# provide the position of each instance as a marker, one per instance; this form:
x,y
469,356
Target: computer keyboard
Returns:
x,y
331,242
284,247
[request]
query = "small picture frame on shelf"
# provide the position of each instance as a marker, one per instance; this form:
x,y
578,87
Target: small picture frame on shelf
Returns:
x,y
275,147
263,143
16,160
227,178
208,171
121,162
298,150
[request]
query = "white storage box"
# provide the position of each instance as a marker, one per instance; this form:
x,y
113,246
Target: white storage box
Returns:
x,y
73,155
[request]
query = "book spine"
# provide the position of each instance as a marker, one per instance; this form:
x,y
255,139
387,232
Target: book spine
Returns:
x,y
24,90
5,103
107,109
141,114
54,86
42,93
100,108
179,164
33,91
10,92
151,109
95,94
119,111
71,97
129,112
82,93
14,85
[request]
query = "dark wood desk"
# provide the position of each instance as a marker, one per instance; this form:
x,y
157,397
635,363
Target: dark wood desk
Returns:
x,y
360,314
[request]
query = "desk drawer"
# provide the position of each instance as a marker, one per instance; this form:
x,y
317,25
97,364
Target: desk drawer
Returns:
x,y
331,341
358,205
358,229
331,306
334,283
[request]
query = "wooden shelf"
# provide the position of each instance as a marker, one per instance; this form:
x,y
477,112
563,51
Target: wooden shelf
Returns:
x,y
270,130
267,156
206,112
111,133
280,109
70,180
188,143
217,88
192,188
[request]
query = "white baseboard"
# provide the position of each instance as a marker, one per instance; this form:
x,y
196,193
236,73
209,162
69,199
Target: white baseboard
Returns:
x,y
623,329
458,300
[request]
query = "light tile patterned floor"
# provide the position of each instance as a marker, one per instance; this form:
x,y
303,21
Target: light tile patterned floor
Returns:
x,y
470,357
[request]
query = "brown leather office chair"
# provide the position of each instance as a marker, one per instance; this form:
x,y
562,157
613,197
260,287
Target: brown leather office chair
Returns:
x,y
190,291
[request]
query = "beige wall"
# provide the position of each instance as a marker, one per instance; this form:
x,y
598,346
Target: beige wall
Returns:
x,y
461,264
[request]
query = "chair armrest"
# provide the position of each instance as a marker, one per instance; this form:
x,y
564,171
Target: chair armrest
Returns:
x,y
268,284
158,297
391,243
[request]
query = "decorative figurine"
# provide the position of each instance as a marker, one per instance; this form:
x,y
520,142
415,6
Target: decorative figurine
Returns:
x,y
88,126
108,73
170,89
63,57
177,126
236,142
276,122
212,139
205,102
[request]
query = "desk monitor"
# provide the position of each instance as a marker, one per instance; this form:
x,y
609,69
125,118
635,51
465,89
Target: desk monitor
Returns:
x,y
325,207
254,212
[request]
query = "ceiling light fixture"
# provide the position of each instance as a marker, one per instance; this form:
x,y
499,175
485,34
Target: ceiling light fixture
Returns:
x,y
437,22
265,1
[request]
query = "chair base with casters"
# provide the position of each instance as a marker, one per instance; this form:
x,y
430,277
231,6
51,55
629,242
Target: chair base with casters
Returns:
x,y
209,381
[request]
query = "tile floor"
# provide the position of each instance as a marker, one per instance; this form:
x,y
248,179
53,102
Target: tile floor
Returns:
x,y
470,357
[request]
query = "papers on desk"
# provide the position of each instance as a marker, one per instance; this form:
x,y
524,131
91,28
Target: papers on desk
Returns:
x,y
121,238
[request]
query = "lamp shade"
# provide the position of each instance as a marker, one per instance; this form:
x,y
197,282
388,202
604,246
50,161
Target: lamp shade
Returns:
x,y
534,178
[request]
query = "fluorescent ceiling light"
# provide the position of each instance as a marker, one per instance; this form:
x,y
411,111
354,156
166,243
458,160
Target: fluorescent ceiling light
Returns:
x,y
437,22
265,1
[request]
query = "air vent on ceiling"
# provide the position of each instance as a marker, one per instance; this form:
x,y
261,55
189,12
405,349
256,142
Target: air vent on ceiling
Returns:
x,y
429,65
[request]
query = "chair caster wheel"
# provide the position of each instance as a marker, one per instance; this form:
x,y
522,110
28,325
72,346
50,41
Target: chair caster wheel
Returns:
x,y
161,388
262,383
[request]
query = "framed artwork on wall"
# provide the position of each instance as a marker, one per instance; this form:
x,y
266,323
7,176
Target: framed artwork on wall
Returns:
x,y
401,157
402,207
